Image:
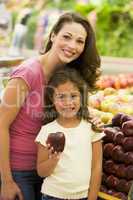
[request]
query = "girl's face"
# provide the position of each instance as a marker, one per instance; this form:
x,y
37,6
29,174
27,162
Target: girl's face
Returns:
x,y
67,100
69,43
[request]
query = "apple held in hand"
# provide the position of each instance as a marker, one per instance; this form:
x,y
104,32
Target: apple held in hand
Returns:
x,y
57,141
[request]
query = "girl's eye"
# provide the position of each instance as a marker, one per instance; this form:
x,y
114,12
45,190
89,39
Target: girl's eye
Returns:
x,y
60,96
74,96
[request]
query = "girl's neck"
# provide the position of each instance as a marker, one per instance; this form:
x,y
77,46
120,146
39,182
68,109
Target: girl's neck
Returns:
x,y
68,122
49,64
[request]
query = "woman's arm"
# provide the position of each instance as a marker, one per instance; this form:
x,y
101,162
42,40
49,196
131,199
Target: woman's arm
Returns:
x,y
46,160
96,170
13,97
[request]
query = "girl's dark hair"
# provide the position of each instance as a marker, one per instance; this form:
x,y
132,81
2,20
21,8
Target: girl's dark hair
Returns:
x,y
59,77
88,64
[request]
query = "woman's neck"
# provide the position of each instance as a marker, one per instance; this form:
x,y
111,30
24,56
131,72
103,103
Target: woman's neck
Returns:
x,y
68,122
49,64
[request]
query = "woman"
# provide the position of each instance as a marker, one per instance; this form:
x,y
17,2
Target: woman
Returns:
x,y
71,43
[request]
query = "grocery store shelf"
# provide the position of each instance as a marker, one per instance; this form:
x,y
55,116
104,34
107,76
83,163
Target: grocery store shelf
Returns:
x,y
7,61
112,65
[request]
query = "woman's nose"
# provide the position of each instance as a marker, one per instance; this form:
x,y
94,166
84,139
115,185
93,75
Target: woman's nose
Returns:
x,y
72,44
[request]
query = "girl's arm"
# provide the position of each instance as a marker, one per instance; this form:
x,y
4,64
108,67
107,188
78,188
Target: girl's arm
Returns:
x,y
13,98
96,170
46,160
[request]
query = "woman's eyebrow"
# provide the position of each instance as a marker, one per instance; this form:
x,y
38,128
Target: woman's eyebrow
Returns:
x,y
79,37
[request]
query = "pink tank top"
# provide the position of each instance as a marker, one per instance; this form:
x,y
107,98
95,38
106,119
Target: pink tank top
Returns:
x,y
24,129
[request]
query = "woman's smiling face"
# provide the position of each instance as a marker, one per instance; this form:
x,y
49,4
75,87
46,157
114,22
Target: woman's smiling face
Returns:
x,y
69,43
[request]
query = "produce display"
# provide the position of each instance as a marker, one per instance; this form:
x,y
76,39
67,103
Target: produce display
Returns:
x,y
117,82
118,157
110,100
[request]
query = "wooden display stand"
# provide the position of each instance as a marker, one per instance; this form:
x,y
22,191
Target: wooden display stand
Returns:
x,y
6,61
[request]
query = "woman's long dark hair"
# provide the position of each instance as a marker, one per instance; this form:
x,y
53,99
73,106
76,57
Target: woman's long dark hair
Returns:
x,y
88,64
59,77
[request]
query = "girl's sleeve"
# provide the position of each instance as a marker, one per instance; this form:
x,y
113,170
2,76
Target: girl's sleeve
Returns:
x,y
96,136
25,73
42,136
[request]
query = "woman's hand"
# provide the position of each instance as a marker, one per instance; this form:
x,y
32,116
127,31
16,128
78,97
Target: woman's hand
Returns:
x,y
10,190
97,124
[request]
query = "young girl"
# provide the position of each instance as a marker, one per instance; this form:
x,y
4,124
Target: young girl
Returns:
x,y
76,172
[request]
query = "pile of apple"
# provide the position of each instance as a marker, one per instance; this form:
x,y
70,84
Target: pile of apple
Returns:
x,y
117,82
118,157
108,102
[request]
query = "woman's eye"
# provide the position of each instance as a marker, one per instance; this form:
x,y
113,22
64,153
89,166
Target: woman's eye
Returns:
x,y
66,36
81,41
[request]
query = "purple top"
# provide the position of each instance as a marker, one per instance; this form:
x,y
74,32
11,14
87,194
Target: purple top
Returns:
x,y
27,124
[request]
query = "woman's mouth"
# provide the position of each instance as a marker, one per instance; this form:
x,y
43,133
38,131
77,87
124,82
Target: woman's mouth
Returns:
x,y
68,53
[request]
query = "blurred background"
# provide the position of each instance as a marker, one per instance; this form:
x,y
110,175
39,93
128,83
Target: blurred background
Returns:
x,y
24,25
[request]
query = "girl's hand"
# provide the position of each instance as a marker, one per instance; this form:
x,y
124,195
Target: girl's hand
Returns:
x,y
53,154
10,190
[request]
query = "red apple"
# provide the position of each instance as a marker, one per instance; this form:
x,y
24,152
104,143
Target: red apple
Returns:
x,y
109,134
118,154
112,181
116,120
129,172
128,158
126,118
118,137
127,128
128,144
120,171
123,82
121,185
107,150
57,141
109,167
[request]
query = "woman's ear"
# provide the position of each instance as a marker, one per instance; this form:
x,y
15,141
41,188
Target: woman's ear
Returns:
x,y
52,37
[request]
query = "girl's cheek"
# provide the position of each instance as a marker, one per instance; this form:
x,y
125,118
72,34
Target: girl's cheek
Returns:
x,y
59,104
